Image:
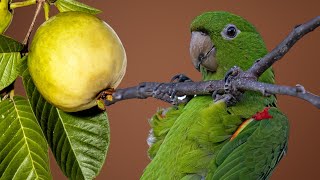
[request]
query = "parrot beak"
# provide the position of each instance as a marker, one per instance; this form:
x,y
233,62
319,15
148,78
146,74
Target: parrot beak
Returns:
x,y
202,51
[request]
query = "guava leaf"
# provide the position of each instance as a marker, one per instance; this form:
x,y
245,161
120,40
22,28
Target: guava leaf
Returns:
x,y
73,5
23,148
9,60
8,44
22,65
79,141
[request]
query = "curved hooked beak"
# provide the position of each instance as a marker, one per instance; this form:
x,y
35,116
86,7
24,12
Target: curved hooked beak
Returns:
x,y
202,51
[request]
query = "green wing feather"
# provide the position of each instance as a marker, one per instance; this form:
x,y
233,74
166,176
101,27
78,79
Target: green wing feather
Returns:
x,y
186,147
161,124
193,140
255,152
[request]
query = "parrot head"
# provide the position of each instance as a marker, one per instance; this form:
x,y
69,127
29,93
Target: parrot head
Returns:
x,y
221,40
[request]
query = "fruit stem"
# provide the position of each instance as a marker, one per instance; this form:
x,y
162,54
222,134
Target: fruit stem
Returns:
x,y
22,4
26,39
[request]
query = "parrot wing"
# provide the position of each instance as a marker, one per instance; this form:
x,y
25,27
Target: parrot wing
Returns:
x,y
255,151
161,124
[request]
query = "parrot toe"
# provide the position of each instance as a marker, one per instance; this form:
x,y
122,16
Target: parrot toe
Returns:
x,y
229,94
180,78
176,100
230,75
229,99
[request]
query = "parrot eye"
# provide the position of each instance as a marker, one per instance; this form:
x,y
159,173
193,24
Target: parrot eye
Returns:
x,y
230,32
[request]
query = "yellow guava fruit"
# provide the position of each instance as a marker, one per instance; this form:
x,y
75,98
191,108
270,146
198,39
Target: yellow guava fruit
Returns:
x,y
74,56
5,15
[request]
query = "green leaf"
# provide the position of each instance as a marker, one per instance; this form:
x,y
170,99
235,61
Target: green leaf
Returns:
x,y
72,5
79,141
23,148
9,60
21,67
8,45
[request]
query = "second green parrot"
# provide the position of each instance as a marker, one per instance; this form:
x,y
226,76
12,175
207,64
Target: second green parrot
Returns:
x,y
207,139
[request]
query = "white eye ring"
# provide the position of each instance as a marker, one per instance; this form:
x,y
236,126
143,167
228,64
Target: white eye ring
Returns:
x,y
230,32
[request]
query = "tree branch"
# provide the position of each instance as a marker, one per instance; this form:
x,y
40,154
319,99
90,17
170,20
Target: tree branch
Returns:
x,y
163,91
277,53
267,89
243,81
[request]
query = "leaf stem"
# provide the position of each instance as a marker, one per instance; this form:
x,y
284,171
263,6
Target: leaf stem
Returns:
x,y
22,4
46,8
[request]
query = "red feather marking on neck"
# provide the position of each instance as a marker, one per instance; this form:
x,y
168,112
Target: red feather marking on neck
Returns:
x,y
264,114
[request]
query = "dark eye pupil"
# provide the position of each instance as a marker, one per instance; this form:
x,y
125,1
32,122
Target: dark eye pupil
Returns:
x,y
231,32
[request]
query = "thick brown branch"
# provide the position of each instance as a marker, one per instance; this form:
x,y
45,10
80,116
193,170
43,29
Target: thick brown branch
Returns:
x,y
244,81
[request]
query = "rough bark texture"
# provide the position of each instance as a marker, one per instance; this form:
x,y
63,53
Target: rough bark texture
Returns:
x,y
243,81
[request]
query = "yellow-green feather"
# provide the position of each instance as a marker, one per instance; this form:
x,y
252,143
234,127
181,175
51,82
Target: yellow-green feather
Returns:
x,y
190,142
161,123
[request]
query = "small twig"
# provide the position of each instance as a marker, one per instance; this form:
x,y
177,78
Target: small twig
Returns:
x,y
244,81
26,39
265,88
277,53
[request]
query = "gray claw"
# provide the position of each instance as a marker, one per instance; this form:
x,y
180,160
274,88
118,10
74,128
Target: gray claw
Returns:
x,y
228,98
175,100
180,78
230,94
234,71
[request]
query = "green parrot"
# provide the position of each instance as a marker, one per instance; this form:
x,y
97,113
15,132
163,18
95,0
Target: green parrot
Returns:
x,y
5,15
206,139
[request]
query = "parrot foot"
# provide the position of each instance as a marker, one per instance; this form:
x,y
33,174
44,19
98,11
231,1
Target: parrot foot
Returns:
x,y
180,78
228,98
230,94
171,96
176,100
230,75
